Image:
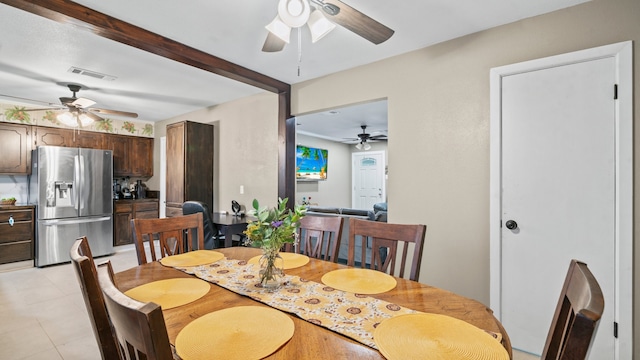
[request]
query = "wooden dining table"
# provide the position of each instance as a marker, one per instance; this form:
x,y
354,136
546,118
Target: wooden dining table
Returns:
x,y
311,341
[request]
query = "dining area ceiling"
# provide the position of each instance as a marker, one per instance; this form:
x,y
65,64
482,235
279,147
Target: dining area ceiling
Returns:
x,y
40,57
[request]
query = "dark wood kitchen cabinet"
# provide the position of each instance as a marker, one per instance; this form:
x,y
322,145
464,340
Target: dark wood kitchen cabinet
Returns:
x,y
49,136
16,233
189,165
15,147
124,211
132,155
91,140
121,148
141,157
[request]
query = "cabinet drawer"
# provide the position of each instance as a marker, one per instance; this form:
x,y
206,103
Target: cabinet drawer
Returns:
x,y
20,231
172,211
147,215
146,206
123,207
18,215
19,251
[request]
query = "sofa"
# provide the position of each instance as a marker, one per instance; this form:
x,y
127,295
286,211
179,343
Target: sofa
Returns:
x,y
347,213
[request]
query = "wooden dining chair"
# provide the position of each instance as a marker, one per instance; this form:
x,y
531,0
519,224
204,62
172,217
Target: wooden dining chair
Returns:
x,y
374,236
84,266
319,237
577,314
174,235
139,327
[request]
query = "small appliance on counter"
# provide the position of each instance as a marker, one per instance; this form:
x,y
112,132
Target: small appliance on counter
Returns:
x,y
126,193
141,191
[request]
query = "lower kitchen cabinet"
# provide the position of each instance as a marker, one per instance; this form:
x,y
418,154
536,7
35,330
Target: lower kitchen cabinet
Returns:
x,y
16,233
126,210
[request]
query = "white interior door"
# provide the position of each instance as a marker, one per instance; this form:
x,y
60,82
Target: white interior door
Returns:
x,y
557,172
368,179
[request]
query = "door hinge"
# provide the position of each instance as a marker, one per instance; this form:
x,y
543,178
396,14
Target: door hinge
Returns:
x,y
615,329
615,92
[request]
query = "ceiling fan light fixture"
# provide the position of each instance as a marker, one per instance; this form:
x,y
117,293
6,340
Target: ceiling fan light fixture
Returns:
x,y
359,146
278,28
68,119
85,120
294,13
366,146
319,25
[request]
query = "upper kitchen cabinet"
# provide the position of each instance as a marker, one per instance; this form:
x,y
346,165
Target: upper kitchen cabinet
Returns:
x,y
132,155
189,165
15,147
50,136
120,145
91,140
141,157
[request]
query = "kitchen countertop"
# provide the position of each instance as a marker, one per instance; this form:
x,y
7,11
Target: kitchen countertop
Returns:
x,y
134,200
16,207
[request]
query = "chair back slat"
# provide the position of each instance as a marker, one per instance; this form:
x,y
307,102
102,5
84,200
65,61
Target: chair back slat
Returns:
x,y
380,239
577,315
174,235
85,269
319,237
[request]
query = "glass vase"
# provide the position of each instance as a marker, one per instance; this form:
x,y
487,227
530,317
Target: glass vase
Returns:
x,y
271,268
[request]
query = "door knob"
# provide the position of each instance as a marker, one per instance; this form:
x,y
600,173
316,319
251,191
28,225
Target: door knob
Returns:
x,y
511,225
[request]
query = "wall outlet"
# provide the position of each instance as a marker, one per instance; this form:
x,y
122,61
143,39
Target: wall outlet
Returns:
x,y
241,189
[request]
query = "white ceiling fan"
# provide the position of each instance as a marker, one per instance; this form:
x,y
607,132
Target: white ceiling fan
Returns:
x,y
78,109
364,138
321,16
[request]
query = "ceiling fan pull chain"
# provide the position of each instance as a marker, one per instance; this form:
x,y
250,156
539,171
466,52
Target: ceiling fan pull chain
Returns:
x,y
299,50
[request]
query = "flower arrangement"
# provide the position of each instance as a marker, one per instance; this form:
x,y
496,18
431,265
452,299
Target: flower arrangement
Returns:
x,y
273,227
271,230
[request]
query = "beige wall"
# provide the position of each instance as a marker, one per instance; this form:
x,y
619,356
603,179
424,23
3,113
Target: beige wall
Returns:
x,y
439,97
245,150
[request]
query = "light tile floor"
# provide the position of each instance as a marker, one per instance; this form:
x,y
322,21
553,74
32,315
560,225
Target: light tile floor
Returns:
x,y
43,316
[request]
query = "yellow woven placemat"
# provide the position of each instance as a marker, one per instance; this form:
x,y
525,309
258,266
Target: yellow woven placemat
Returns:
x,y
192,258
359,281
433,336
291,260
170,293
243,332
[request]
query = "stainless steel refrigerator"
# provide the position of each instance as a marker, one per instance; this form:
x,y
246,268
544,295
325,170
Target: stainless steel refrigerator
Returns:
x,y
72,191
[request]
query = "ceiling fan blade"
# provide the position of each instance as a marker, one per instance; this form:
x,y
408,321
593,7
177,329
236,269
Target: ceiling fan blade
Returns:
x,y
44,109
359,23
378,137
113,112
93,116
273,43
82,102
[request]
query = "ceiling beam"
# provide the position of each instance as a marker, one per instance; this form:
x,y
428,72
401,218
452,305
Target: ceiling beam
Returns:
x,y
68,12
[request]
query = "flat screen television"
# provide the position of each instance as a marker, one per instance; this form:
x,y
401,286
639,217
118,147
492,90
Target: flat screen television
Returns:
x,y
311,163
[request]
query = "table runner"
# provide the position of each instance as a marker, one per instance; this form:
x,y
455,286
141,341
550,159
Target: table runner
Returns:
x,y
352,315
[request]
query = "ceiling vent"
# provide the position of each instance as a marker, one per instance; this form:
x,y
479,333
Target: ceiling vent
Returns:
x,y
93,74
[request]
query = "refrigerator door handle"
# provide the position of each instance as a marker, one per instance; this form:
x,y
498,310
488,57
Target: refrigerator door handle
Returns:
x,y
77,170
74,221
